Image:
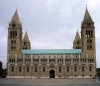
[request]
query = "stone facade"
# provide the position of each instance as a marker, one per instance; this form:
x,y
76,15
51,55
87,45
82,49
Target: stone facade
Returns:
x,y
79,62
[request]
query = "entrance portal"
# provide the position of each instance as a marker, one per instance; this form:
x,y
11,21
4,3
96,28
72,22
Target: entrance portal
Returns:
x,y
52,74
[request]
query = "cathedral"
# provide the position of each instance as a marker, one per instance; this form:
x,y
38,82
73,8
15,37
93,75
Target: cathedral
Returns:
x,y
24,62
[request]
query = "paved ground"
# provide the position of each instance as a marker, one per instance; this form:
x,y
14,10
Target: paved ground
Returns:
x,y
49,82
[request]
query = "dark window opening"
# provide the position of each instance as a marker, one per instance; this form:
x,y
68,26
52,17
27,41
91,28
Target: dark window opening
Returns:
x,y
14,47
11,41
68,69
12,68
11,47
75,75
78,42
13,25
60,69
43,69
90,68
90,41
27,69
82,75
19,68
10,33
82,68
88,24
15,34
14,41
89,33
89,47
24,43
87,41
35,70
75,68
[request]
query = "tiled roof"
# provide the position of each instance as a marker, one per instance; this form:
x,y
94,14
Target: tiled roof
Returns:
x,y
52,51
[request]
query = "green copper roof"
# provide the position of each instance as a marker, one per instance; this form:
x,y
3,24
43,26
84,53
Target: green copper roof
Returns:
x,y
52,51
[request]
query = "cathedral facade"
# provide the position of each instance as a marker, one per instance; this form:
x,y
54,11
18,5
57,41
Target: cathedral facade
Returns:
x,y
24,62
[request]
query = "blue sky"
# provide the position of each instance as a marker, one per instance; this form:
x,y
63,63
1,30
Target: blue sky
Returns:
x,y
51,24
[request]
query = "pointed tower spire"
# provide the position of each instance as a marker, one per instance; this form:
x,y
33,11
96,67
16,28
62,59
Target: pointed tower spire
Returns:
x,y
15,18
87,16
77,36
77,41
26,37
26,43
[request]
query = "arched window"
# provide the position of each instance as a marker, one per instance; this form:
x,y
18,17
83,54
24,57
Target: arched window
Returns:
x,y
14,41
11,47
82,68
19,68
75,68
90,68
78,42
27,69
60,69
43,69
91,33
35,69
67,68
12,68
90,47
15,34
13,25
88,24
11,41
10,33
90,40
24,43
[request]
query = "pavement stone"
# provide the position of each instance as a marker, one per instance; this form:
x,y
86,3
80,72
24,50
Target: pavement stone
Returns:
x,y
48,82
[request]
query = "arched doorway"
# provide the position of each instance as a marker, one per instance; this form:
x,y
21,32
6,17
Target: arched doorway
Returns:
x,y
52,74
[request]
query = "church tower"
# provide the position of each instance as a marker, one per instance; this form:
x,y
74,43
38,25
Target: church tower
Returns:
x,y
15,37
88,36
26,42
77,41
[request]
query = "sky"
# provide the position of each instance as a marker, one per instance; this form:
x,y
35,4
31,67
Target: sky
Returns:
x,y
50,24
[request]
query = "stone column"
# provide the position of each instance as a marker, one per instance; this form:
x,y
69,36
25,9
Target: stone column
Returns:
x,y
79,65
71,59
71,71
23,58
39,72
15,70
64,59
31,71
47,59
87,70
7,69
86,55
24,71
31,59
15,58
56,59
39,59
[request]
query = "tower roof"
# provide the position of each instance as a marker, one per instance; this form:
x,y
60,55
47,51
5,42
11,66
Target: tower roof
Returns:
x,y
15,18
87,16
77,36
26,37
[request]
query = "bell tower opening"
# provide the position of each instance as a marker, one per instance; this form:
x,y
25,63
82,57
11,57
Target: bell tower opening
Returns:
x,y
52,74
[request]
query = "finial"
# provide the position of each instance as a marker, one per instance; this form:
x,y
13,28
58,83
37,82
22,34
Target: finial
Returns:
x,y
16,8
86,6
